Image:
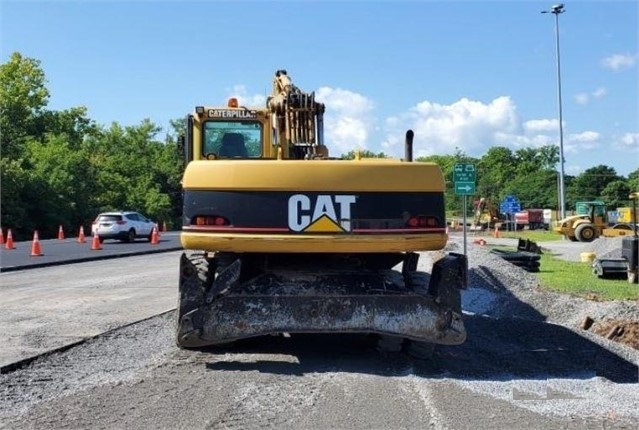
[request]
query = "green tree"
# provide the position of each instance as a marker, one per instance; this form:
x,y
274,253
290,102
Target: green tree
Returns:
x,y
15,180
495,171
615,194
63,183
135,171
23,95
590,184
633,180
537,189
73,123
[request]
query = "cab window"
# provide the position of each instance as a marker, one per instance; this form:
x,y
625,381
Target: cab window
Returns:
x,y
232,139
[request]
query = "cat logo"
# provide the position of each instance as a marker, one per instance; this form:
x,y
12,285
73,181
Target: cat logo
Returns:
x,y
327,214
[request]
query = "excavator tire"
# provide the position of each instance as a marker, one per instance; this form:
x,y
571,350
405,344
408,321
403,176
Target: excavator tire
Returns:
x,y
585,233
193,294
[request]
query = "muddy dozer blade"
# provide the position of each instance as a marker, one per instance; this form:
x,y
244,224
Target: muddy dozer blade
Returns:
x,y
339,302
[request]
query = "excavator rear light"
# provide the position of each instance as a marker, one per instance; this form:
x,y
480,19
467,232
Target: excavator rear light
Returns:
x,y
422,221
233,102
210,220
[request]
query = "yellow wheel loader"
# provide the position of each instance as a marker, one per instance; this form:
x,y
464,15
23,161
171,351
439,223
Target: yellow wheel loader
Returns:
x,y
279,237
591,225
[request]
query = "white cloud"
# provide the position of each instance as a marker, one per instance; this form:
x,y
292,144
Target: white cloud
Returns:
x,y
348,122
584,141
466,124
244,99
536,125
619,61
628,141
584,98
599,92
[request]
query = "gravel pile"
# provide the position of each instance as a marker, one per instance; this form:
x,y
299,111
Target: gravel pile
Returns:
x,y
604,247
499,289
502,290
608,247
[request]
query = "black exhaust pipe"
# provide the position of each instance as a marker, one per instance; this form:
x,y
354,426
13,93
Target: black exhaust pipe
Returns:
x,y
408,146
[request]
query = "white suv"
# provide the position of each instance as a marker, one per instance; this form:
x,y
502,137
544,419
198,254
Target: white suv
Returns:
x,y
125,226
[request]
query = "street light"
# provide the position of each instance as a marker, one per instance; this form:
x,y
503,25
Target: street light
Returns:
x,y
556,10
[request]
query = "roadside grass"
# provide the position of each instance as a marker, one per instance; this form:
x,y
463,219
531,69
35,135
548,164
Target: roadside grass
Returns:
x,y
576,279
534,235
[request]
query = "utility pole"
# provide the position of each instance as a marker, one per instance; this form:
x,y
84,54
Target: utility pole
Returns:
x,y
556,10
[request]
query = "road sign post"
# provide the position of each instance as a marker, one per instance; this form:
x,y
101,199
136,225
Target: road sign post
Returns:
x,y
464,177
509,206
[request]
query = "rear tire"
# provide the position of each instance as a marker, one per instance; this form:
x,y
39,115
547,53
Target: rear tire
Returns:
x,y
196,275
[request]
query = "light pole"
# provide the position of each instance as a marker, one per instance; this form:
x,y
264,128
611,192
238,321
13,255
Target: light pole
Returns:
x,y
556,10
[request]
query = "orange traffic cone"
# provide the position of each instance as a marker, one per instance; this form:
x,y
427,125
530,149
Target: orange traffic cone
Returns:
x,y
9,244
497,233
60,233
36,251
155,237
81,238
1,237
96,245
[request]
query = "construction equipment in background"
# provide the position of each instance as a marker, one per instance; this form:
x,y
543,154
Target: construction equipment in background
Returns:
x,y
588,226
281,238
486,215
625,215
531,218
628,264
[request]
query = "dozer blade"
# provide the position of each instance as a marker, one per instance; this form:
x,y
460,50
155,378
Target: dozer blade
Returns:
x,y
337,302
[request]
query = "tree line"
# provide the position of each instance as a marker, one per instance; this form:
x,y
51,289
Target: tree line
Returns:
x,y
59,167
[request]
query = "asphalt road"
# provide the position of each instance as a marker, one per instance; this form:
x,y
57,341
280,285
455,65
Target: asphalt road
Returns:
x,y
66,251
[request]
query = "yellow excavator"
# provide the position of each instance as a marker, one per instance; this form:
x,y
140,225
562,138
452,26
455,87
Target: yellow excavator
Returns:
x,y
279,237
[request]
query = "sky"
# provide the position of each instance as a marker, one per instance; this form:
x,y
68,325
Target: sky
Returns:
x,y
463,75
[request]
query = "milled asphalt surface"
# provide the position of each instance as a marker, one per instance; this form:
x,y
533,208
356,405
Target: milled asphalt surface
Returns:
x,y
44,309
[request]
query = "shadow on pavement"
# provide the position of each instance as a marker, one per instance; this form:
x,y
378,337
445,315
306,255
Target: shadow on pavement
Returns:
x,y
496,349
510,340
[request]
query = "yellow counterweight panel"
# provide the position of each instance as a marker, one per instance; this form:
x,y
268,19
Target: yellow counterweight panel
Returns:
x,y
312,243
313,175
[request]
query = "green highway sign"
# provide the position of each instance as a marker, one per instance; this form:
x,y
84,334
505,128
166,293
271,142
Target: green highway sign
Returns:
x,y
465,188
463,172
